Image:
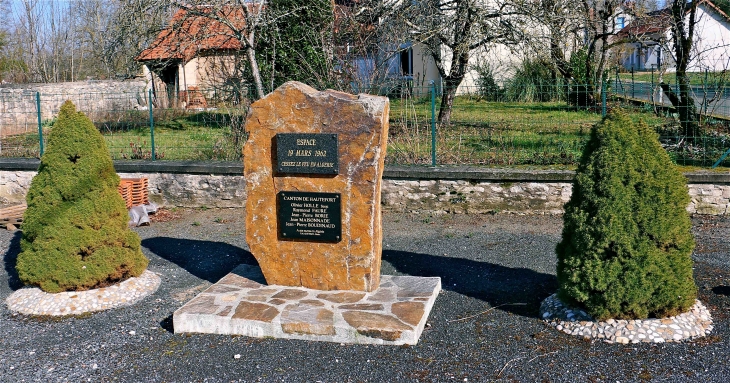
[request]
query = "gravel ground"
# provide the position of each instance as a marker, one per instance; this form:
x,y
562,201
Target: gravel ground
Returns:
x,y
484,327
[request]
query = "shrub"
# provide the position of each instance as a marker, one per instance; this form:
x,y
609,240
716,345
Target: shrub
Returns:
x,y
534,81
486,84
75,233
626,245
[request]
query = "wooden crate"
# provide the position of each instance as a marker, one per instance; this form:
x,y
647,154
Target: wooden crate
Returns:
x,y
11,217
135,191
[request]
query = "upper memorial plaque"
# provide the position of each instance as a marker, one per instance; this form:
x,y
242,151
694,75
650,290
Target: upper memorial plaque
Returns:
x,y
307,153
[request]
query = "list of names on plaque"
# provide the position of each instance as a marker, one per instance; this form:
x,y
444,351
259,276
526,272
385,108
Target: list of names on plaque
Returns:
x,y
307,153
310,216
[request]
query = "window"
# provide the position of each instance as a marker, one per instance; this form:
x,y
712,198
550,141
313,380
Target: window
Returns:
x,y
620,21
406,61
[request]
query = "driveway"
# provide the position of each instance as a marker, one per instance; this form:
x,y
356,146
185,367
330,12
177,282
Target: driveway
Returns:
x,y
495,270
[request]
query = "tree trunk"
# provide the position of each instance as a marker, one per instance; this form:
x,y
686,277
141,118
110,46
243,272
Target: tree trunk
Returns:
x,y
448,94
255,72
686,108
447,102
682,37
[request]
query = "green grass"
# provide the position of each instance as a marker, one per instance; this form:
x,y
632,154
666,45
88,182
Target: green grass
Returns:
x,y
532,135
492,133
178,136
695,78
194,143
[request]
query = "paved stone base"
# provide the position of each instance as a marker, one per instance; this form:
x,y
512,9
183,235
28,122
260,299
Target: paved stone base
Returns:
x,y
241,303
34,301
695,323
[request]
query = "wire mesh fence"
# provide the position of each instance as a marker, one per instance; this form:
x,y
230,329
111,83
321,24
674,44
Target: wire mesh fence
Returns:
x,y
128,124
529,123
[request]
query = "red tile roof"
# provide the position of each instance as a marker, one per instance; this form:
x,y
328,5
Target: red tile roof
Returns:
x,y
189,35
651,23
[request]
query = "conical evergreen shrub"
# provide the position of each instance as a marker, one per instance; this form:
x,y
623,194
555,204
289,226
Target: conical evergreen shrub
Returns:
x,y
627,241
75,233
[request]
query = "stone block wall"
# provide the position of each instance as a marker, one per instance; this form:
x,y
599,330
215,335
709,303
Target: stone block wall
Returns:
x,y
18,111
184,190
464,196
709,199
402,195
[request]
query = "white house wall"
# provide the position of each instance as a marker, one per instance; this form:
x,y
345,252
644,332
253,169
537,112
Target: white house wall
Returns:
x,y
424,68
712,45
188,74
711,49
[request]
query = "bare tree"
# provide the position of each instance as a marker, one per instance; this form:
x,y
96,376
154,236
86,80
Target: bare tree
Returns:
x,y
675,31
453,31
579,39
58,40
367,38
40,38
133,25
245,30
3,40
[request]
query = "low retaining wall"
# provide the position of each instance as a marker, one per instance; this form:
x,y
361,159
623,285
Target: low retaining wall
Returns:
x,y
440,190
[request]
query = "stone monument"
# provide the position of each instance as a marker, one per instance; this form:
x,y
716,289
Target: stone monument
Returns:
x,y
313,165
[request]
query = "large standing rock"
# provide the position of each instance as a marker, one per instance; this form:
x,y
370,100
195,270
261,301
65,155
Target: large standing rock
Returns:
x,y
361,122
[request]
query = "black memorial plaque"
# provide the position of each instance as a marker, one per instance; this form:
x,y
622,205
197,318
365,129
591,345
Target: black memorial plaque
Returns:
x,y
307,153
310,216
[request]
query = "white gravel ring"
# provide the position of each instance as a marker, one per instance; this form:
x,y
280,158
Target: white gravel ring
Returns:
x,y
34,301
695,323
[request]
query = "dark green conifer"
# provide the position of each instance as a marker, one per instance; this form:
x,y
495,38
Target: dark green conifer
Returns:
x,y
75,233
627,241
298,44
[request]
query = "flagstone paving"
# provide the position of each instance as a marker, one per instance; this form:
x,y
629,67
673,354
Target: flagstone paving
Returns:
x,y
241,303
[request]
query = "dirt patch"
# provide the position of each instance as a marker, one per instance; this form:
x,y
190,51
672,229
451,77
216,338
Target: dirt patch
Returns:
x,y
165,215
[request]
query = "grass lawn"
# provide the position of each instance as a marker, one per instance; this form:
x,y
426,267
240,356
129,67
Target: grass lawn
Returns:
x,y
178,136
695,78
542,135
494,133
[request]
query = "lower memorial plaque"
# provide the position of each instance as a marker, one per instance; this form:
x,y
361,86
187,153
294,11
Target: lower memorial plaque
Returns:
x,y
309,216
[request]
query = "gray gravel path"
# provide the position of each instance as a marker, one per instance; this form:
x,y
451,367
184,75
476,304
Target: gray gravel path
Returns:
x,y
495,271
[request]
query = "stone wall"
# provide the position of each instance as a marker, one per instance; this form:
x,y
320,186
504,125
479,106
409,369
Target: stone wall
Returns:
x,y
185,190
449,196
463,196
18,113
403,195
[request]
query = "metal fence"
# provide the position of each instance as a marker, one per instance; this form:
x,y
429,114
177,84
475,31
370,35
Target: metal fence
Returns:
x,y
512,124
131,124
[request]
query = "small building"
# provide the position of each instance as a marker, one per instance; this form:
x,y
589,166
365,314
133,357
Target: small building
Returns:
x,y
193,57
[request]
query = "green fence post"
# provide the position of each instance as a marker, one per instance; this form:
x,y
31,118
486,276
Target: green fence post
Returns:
x,y
721,159
152,123
604,89
40,122
633,93
433,123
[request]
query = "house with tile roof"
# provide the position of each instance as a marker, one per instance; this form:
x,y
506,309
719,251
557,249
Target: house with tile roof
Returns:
x,y
195,55
649,42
